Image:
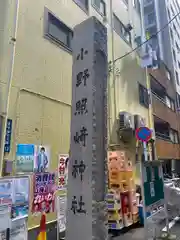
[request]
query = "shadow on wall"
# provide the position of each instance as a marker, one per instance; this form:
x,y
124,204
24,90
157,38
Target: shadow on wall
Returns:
x,y
128,74
128,81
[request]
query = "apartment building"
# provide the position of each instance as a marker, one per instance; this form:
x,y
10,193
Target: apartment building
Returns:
x,y
173,9
37,95
164,80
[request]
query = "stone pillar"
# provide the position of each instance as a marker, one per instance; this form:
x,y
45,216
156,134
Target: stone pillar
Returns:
x,y
87,174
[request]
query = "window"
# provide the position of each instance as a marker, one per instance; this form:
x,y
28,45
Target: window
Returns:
x,y
169,15
151,18
84,4
174,55
138,7
125,1
121,30
168,75
178,101
171,32
172,10
174,28
173,105
174,136
170,103
177,78
58,31
100,6
143,96
177,46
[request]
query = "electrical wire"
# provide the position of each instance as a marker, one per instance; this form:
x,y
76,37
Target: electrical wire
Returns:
x,y
140,45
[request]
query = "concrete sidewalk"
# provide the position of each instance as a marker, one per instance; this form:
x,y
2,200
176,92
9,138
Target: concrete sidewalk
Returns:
x,y
132,234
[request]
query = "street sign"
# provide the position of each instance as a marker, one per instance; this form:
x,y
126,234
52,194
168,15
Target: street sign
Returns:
x,y
143,134
7,145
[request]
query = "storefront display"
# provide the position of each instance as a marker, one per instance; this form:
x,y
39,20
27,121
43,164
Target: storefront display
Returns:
x,y
14,193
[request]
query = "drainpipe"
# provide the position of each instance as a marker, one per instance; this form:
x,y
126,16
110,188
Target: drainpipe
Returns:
x,y
113,62
148,85
9,83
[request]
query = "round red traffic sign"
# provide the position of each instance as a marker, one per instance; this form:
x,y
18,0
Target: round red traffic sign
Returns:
x,y
144,134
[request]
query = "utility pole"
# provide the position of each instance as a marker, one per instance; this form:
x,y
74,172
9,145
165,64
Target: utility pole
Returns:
x,y
87,175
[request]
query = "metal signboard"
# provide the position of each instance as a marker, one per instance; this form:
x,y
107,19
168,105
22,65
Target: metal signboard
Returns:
x,y
7,145
153,185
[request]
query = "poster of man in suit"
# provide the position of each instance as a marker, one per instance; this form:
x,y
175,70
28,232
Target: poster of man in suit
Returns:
x,y
42,159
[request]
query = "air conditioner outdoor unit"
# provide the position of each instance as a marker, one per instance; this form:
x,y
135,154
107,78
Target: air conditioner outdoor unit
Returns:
x,y
126,121
139,121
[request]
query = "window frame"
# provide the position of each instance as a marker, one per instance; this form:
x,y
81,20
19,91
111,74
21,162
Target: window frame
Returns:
x,y
177,78
120,33
62,26
178,64
143,99
177,101
171,102
175,135
174,55
171,34
137,6
98,9
152,20
81,5
168,74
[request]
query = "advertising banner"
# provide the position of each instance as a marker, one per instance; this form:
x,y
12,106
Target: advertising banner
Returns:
x,y
25,154
61,213
20,206
63,171
32,158
44,193
42,159
6,191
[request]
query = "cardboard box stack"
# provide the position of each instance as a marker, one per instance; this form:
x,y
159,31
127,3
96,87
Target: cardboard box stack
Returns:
x,y
122,183
115,220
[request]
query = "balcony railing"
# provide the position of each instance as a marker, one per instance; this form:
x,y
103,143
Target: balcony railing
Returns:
x,y
167,150
163,136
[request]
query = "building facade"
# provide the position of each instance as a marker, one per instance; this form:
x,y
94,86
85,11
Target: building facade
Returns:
x,y
158,17
173,9
36,69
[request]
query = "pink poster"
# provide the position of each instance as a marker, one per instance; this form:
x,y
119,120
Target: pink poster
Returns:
x,y
44,193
